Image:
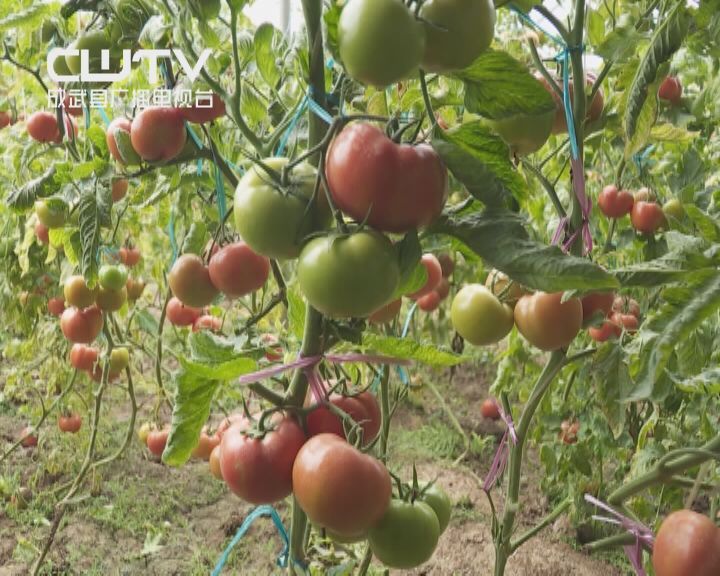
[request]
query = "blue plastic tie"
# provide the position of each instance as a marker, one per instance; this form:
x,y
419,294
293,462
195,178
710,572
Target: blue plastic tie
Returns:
x,y
104,115
263,510
641,158
529,21
280,150
402,373
319,111
220,193
567,103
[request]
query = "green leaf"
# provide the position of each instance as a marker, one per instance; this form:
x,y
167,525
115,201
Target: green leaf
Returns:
x,y
252,107
226,370
481,161
23,198
499,238
69,239
407,349
209,348
97,136
705,383
86,169
331,16
296,313
30,18
409,253
707,226
267,43
94,209
498,86
619,44
195,239
611,380
670,133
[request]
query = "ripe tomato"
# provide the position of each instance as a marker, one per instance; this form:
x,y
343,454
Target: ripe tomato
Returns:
x,y
205,446
339,487
447,264
393,187
490,409
609,328
569,431
434,275
81,325
524,133
52,216
615,203
113,277
56,306
158,134
687,544
119,188
157,440
626,305
214,462
443,288
236,270
363,409
119,359
628,322
119,142
83,357
129,255
134,289
371,426
200,115
190,282
479,317
406,536
77,293
596,304
546,322
387,313
228,421
670,90
97,372
4,119
381,42
429,302
274,220
260,470
70,422
457,32
29,437
111,300
42,126
76,110
180,315
207,322
42,233
348,276
647,217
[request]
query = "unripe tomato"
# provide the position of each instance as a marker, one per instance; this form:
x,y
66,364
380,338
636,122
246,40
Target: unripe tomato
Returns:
x,y
119,142
144,431
70,423
129,255
42,233
51,216
348,276
687,544
42,126
443,288
430,302
81,325
490,409
158,134
393,187
200,115
237,271
546,322
83,357
673,209
207,322
157,440
134,288
406,536
381,42
111,300
645,195
214,462
29,437
77,293
206,444
647,217
274,220
439,501
339,487
119,188
190,282
56,306
386,313
596,304
457,32
524,133
670,90
615,203
94,43
434,274
119,359
447,264
259,470
609,329
479,317
180,315
113,277
497,282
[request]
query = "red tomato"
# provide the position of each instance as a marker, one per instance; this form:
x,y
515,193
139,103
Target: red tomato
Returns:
x,y
190,282
119,189
157,440
490,409
429,302
42,233
394,187
387,313
434,275
129,255
670,90
69,422
81,326
43,127
4,119
120,125
647,217
56,306
206,444
323,421
446,263
339,487
594,109
596,304
229,421
273,351
607,330
628,322
72,110
687,544
615,203
236,270
259,470
214,462
207,322
371,427
547,322
205,114
83,357
96,374
443,288
645,194
158,134
180,315
29,437
626,306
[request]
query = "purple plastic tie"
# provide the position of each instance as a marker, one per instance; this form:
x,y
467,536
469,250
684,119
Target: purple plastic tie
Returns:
x,y
507,418
498,464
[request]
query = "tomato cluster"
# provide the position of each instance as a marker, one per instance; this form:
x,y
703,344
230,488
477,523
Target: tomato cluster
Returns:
x,y
646,215
623,314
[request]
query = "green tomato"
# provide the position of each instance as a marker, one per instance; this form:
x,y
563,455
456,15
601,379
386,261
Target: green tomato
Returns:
x,y
119,359
131,17
525,133
113,277
439,501
381,42
348,276
94,42
274,220
457,32
673,208
479,317
406,536
51,214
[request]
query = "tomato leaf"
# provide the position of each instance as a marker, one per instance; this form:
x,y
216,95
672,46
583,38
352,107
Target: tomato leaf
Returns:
x,y
296,313
94,209
407,349
268,42
69,239
611,379
481,161
23,198
30,17
412,273
705,383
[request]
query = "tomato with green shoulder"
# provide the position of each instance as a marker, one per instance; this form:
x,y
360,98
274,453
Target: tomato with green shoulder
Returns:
x,y
479,317
113,277
546,321
93,43
52,213
439,501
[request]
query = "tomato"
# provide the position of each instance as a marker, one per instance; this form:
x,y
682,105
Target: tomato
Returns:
x,y
339,487
56,306
144,431
647,217
387,313
439,501
111,300
673,209
158,134
43,127
645,194
4,119
406,536
593,110
524,133
273,351
94,43
609,329
546,322
371,426
393,187
190,282
457,32
157,440
275,219
380,41
119,359
77,293
134,289
569,431
51,215
429,302
119,142
206,445
180,315
479,317
81,326
364,411
42,233
29,437
214,462
434,274
260,470
96,374
200,115
227,422
119,188
113,277
626,305
596,304
83,357
348,276
671,90
76,110
129,256
490,409
443,288
628,322
447,264
615,203
207,322
687,544
236,270
70,423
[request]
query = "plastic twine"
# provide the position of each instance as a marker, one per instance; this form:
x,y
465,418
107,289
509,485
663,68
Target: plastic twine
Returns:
x,y
171,235
103,115
308,103
501,455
